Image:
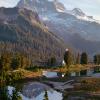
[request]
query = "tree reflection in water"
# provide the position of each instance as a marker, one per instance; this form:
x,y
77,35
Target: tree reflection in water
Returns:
x,y
46,95
67,96
4,94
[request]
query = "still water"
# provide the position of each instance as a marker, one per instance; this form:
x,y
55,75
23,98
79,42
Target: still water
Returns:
x,y
37,91
40,91
50,74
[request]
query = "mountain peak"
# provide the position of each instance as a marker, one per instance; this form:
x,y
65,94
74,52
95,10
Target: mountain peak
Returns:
x,y
59,6
78,12
43,5
22,31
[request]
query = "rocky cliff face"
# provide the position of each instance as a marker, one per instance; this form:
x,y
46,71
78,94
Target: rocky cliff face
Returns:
x,y
22,31
67,23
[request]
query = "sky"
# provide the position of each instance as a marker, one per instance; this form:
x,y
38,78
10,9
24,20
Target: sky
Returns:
x,y
90,7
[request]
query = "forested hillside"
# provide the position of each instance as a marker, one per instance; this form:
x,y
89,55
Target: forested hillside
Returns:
x,y
21,31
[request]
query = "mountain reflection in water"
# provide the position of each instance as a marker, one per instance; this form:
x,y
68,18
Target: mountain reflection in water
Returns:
x,y
36,91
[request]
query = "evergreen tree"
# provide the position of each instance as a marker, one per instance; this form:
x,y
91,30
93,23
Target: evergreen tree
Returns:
x,y
1,63
15,63
52,61
20,61
78,59
46,96
15,95
84,58
4,94
5,60
68,58
97,59
4,66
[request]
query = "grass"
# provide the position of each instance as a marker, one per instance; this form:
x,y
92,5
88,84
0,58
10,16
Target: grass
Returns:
x,y
30,73
64,69
86,86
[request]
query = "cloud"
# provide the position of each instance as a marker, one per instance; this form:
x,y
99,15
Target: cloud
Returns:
x,y
90,7
97,17
8,3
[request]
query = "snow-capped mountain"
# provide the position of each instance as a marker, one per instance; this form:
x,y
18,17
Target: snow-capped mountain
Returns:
x,y
67,23
49,6
78,12
59,6
42,6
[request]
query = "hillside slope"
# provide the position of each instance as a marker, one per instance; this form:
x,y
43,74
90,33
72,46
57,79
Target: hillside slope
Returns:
x,y
22,31
67,24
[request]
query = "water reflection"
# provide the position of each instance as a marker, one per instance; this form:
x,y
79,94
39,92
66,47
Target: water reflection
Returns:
x,y
79,96
46,95
38,91
9,93
49,74
34,89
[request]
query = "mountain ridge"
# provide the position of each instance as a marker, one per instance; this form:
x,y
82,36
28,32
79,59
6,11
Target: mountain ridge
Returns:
x,y
22,31
68,23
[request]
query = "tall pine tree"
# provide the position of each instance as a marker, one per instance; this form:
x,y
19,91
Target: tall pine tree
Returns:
x,y
97,59
68,58
84,58
46,96
78,58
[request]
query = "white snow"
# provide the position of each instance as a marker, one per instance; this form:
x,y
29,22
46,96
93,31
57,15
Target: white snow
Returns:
x,y
60,10
45,18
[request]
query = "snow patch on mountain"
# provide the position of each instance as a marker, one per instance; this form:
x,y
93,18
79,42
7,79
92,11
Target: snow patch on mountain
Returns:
x,y
60,10
45,18
77,12
59,6
55,15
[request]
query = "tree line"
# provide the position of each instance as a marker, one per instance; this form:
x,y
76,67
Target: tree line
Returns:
x,y
82,58
9,61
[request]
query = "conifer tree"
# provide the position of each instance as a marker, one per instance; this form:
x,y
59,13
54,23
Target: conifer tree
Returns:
x,y
68,58
46,96
97,59
78,59
84,58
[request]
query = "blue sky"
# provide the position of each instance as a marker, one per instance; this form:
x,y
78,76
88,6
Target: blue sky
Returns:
x,y
90,7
